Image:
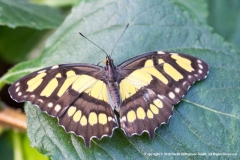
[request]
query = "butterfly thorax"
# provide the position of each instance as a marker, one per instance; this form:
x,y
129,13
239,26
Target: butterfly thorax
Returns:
x,y
110,70
113,87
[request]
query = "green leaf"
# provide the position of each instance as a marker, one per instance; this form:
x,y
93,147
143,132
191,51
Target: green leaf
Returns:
x,y
225,20
28,152
206,121
196,8
20,70
20,44
15,145
62,3
22,13
6,145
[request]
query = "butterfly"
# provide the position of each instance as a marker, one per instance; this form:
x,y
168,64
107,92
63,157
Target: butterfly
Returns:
x,y
137,95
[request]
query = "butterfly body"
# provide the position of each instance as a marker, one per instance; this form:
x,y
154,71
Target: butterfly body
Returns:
x,y
111,81
143,90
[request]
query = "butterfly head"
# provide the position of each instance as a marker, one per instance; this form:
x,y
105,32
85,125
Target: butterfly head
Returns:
x,y
108,61
110,67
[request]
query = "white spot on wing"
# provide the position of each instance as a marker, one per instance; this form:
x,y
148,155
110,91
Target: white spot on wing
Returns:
x,y
17,84
50,104
110,118
106,129
171,95
54,67
200,71
123,118
161,52
199,61
160,96
17,89
200,66
184,83
19,93
41,71
177,90
57,108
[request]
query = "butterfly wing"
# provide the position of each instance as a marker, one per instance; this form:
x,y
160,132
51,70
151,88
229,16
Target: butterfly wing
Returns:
x,y
150,84
75,93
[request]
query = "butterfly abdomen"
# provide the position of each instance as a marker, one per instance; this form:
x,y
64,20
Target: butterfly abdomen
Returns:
x,y
113,89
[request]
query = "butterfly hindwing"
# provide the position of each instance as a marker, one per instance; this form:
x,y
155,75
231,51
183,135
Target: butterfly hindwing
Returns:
x,y
89,117
150,84
72,92
144,112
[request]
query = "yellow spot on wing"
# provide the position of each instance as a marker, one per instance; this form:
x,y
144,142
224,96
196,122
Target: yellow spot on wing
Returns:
x,y
104,93
187,67
83,121
131,116
183,62
158,103
127,89
51,86
35,82
102,118
177,57
71,111
97,89
133,82
149,63
83,82
139,77
149,114
92,119
70,73
160,61
77,116
172,72
71,77
149,68
35,85
66,84
154,109
58,75
141,113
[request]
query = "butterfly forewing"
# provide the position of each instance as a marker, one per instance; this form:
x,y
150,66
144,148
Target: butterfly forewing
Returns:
x,y
72,92
151,84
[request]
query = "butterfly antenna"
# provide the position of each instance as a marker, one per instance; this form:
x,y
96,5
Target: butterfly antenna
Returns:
x,y
93,43
119,38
